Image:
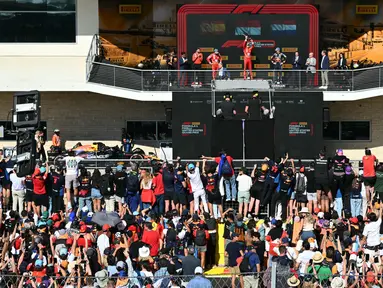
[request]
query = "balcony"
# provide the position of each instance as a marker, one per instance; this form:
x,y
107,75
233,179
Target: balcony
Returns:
x,y
201,80
341,82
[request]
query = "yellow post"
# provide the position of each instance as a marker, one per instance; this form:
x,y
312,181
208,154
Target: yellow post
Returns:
x,y
220,256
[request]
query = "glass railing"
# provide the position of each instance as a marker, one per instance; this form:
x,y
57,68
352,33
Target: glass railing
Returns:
x,y
201,80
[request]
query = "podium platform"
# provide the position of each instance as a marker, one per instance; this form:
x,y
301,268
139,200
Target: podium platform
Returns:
x,y
241,84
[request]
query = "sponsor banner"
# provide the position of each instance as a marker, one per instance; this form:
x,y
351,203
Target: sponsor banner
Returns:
x,y
289,49
206,49
366,9
288,66
254,74
271,74
225,57
234,66
213,27
252,57
262,66
205,66
130,9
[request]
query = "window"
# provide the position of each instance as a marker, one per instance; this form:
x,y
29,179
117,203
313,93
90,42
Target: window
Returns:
x,y
347,130
37,21
149,130
355,130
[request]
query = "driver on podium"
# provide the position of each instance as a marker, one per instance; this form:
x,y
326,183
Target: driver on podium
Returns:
x,y
214,59
248,46
278,59
227,108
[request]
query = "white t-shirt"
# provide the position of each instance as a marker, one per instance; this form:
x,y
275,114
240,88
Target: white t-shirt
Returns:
x,y
303,259
244,183
102,243
195,180
17,182
371,232
71,164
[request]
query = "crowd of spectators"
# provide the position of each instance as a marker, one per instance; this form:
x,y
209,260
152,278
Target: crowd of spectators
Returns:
x,y
128,227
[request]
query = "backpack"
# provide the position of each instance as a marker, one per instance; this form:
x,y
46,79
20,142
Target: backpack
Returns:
x,y
241,233
105,188
226,169
300,184
132,182
200,238
245,267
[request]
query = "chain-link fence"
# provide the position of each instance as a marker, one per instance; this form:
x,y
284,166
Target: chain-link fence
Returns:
x,y
101,279
202,80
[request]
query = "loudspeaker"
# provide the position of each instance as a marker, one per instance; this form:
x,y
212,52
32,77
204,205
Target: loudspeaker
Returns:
x,y
26,153
326,115
26,109
169,114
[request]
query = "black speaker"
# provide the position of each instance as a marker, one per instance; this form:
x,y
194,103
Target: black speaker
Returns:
x,y
326,115
26,109
169,115
26,153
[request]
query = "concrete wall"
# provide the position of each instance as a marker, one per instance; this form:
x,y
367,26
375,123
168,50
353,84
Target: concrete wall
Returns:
x,y
87,117
367,109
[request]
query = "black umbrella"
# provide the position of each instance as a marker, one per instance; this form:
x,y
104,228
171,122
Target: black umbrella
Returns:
x,y
110,218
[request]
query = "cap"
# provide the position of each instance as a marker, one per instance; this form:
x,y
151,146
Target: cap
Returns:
x,y
233,235
348,170
354,220
39,263
191,166
339,151
120,265
42,170
56,130
198,270
69,241
316,210
285,240
83,228
55,217
370,277
105,227
122,274
118,234
277,49
273,221
320,215
119,168
215,50
63,251
136,213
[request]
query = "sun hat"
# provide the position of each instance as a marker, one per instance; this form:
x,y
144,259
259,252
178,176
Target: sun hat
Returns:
x,y
304,210
144,252
317,258
337,282
293,281
102,278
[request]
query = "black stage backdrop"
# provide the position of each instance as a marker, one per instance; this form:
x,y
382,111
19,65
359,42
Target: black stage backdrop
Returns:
x,y
297,126
223,31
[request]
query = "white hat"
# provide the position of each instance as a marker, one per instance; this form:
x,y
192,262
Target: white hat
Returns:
x,y
144,252
337,282
102,278
198,270
360,173
304,210
320,214
85,209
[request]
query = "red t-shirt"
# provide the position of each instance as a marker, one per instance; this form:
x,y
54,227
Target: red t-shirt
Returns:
x,y
228,158
39,184
158,184
369,166
153,239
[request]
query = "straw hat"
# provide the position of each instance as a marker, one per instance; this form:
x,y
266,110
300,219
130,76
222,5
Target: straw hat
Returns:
x,y
293,281
317,258
337,282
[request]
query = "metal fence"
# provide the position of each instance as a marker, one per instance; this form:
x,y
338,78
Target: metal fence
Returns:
x,y
271,278
201,80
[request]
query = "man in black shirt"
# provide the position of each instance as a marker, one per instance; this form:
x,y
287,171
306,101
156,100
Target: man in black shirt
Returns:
x,y
339,164
58,183
253,108
168,180
321,175
227,107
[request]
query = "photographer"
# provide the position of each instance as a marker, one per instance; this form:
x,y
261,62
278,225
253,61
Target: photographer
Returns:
x,y
227,108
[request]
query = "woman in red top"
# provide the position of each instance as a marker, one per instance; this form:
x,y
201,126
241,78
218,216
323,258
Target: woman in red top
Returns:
x,y
369,174
40,197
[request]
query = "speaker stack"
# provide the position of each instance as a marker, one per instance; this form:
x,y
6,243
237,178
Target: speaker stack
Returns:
x,y
26,119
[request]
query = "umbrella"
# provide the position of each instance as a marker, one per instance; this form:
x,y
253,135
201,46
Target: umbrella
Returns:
x,y
110,218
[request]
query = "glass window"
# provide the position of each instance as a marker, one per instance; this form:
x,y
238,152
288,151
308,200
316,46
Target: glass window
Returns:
x,y
331,130
142,130
61,5
355,130
60,27
164,130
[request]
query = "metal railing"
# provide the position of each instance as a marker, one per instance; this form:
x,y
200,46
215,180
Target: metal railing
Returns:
x,y
93,52
201,80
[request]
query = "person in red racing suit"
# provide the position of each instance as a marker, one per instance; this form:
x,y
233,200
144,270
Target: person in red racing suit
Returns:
x,y
214,59
247,46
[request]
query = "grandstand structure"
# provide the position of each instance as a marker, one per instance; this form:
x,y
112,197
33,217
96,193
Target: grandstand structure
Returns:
x,y
91,99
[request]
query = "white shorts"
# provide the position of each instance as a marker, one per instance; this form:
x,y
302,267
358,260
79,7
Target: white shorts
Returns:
x,y
311,196
120,199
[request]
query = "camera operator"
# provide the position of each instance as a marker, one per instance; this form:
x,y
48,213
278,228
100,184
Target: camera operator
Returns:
x,y
253,108
227,108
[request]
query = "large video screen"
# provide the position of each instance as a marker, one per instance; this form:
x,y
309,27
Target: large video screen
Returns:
x,y
223,27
